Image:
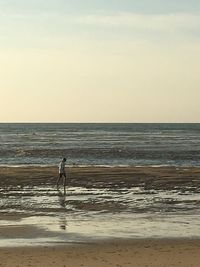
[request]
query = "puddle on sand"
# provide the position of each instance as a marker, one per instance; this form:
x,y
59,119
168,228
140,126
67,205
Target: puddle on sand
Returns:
x,y
88,214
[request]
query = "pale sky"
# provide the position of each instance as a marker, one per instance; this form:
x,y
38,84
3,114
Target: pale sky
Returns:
x,y
99,61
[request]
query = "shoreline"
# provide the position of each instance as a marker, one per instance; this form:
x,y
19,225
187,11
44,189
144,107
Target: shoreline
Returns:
x,y
98,166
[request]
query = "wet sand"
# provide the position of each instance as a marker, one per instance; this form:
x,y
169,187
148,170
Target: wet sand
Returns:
x,y
24,185
159,178
120,252
143,253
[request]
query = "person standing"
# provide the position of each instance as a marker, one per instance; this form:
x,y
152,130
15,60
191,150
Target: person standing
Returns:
x,y
62,172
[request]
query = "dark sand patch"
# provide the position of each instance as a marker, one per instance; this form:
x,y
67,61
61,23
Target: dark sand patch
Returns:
x,y
162,178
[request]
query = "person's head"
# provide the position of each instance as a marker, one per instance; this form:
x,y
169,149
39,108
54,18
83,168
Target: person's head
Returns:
x,y
64,159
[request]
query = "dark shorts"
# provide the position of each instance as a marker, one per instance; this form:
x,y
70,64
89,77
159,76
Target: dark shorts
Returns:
x,y
62,174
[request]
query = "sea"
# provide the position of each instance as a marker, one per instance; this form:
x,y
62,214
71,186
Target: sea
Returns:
x,y
116,213
100,144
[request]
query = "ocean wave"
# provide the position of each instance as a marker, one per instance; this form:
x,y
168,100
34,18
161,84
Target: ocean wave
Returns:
x,y
97,166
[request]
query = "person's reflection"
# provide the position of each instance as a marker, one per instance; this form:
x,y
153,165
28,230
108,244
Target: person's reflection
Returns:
x,y
62,198
63,222
62,202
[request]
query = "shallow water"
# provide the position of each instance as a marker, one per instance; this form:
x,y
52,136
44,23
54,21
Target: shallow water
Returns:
x,y
84,214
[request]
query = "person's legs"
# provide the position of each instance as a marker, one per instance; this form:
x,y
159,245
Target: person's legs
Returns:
x,y
64,183
59,177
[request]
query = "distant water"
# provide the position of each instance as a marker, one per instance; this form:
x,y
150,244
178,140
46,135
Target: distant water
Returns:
x,y
100,144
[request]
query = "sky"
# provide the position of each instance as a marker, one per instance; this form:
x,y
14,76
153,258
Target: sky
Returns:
x,y
99,61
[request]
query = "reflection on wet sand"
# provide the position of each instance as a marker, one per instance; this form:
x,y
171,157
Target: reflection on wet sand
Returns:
x,y
62,202
62,198
147,202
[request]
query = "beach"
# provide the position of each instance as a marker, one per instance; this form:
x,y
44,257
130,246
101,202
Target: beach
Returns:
x,y
143,253
99,133
97,177
110,216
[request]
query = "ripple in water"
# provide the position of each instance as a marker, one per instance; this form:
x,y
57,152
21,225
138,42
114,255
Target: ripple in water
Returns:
x,y
84,213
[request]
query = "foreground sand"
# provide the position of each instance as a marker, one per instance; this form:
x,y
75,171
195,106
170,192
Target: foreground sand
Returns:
x,y
157,253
